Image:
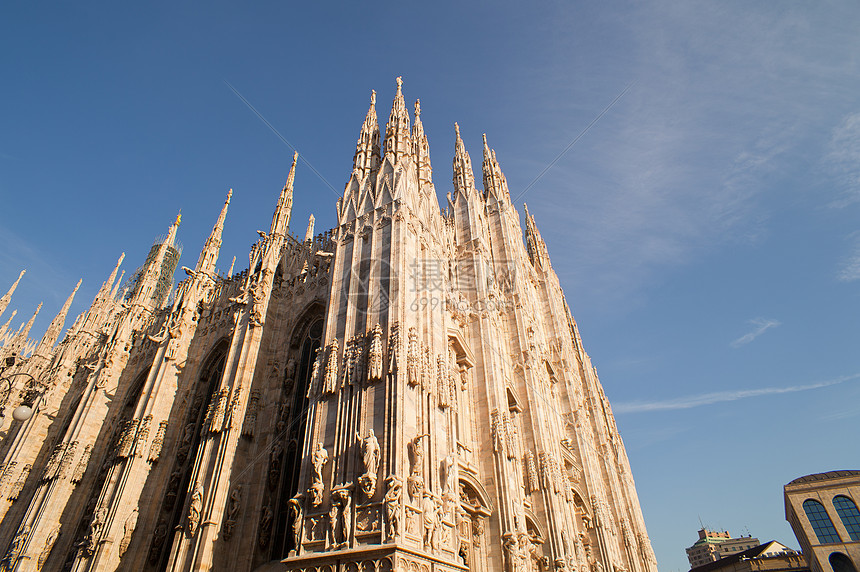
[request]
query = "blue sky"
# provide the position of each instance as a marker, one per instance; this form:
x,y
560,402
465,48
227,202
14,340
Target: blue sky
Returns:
x,y
705,229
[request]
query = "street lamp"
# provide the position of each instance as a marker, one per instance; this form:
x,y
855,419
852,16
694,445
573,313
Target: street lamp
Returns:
x,y
23,411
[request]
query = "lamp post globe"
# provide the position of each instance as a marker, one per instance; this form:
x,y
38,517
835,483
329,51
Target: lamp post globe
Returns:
x,y
22,413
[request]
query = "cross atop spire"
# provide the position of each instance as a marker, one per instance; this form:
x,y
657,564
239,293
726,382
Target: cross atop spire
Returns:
x,y
397,141
366,158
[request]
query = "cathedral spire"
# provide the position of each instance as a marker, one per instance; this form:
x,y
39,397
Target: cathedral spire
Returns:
x,y
309,233
366,159
464,177
156,279
20,339
209,254
53,333
4,301
281,218
421,150
535,245
397,141
495,184
5,327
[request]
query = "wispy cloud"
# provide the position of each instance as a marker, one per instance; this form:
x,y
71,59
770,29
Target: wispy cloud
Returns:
x,y
849,270
721,397
761,326
843,159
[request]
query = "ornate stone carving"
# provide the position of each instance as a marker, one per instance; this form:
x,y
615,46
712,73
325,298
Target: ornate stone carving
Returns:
x,y
94,532
341,526
194,510
290,375
370,459
297,519
127,532
234,504
275,463
330,386
66,462
265,527
374,355
393,500
532,482
158,537
143,434
53,463
413,359
432,519
16,548
216,411
316,375
49,545
318,460
157,442
16,489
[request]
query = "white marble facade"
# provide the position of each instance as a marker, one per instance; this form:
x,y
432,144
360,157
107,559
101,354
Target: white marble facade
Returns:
x,y
406,391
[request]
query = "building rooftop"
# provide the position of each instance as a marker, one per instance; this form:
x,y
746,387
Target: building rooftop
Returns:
x,y
824,476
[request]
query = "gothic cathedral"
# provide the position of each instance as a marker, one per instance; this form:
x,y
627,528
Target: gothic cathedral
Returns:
x,y
407,391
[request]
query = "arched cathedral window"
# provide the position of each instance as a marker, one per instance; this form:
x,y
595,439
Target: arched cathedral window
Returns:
x,y
285,457
820,521
847,511
188,440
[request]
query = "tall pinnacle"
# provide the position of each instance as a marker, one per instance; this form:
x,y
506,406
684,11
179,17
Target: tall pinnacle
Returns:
x,y
421,149
209,254
309,233
495,183
20,339
281,218
5,327
464,178
366,159
53,333
4,301
155,282
535,245
397,141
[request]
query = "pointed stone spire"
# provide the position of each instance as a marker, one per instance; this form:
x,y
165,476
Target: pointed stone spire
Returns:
x,y
309,233
209,254
397,140
154,284
367,155
7,297
5,327
534,243
495,184
53,333
232,264
281,218
20,339
464,177
116,286
421,150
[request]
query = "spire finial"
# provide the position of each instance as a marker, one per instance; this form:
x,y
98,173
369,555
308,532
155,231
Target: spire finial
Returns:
x,y
372,97
417,109
457,129
399,82
178,218
229,195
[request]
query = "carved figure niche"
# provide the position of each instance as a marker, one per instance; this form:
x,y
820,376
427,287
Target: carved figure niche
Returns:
x,y
188,439
290,432
471,522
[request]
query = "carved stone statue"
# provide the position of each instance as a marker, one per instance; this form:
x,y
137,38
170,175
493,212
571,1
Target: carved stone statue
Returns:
x,y
296,515
233,507
318,460
127,532
417,451
374,355
431,519
265,526
49,545
330,375
448,473
370,452
392,505
194,510
158,537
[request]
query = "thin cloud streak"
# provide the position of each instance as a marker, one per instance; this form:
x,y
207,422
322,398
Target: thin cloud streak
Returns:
x,y
762,325
721,397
